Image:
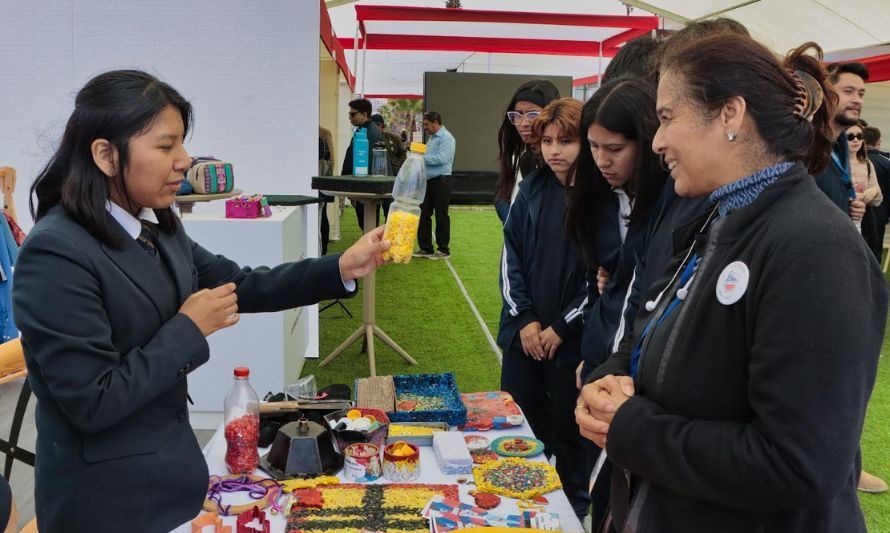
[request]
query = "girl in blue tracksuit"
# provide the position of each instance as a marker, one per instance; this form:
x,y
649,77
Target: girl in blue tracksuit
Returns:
x,y
544,292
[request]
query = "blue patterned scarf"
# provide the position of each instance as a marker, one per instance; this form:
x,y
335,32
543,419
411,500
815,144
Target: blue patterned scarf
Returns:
x,y
743,192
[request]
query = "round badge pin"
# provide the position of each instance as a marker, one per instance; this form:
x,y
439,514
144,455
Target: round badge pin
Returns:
x,y
732,283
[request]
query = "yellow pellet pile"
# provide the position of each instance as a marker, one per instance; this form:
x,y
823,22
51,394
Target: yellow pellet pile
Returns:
x,y
396,430
401,232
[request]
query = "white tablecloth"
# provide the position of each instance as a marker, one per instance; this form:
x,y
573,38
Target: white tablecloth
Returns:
x,y
215,452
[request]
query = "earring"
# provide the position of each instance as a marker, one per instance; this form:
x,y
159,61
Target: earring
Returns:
x,y
731,135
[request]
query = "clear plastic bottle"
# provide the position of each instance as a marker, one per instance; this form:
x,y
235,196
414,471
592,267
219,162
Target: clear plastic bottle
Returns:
x,y
403,219
242,430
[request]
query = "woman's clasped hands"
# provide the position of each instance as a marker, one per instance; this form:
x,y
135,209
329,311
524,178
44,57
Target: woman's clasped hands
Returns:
x,y
598,403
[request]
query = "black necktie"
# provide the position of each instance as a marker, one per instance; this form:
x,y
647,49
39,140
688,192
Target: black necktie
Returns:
x,y
148,238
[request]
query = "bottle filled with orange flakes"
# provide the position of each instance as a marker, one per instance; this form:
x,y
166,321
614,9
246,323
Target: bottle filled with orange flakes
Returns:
x,y
404,213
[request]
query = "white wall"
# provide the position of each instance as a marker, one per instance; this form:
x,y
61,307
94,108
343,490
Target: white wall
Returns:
x,y
249,68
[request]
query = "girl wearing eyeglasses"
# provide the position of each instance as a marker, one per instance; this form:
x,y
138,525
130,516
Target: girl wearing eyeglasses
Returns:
x,y
517,155
862,172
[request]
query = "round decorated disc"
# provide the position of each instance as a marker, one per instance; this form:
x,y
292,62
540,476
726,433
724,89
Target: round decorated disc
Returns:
x,y
517,446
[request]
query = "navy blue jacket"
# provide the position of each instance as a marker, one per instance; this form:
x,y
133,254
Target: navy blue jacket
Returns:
x,y
831,181
618,258
518,266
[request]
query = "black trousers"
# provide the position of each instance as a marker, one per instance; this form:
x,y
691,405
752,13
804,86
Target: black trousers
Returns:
x,y
360,212
545,390
438,196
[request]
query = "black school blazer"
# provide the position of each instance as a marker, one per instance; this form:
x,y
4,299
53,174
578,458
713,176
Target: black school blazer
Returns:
x,y
108,355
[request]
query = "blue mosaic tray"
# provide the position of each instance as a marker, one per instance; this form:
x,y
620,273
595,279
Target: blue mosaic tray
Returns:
x,y
431,398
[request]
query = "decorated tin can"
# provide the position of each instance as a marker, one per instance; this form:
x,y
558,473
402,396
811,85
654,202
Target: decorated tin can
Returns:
x,y
361,462
401,461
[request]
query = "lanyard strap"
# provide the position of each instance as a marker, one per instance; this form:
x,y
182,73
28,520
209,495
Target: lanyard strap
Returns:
x,y
635,357
845,175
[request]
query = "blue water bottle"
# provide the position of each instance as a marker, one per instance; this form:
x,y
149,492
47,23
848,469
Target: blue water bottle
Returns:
x,y
360,153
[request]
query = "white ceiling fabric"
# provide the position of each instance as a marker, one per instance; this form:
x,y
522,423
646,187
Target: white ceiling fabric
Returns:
x,y
845,29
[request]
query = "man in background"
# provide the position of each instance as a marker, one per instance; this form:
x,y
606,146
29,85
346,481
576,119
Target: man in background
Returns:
x,y
395,150
439,158
360,118
848,80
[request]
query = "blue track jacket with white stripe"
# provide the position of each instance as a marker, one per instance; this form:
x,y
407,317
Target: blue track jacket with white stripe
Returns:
x,y
518,266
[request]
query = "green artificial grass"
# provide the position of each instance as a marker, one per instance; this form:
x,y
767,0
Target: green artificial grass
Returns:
x,y
420,306
477,238
875,449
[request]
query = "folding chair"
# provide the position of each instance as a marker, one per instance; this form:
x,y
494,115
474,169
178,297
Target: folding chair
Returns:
x,y
12,357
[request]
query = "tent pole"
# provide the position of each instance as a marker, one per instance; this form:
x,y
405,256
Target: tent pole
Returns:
x,y
355,54
364,62
599,68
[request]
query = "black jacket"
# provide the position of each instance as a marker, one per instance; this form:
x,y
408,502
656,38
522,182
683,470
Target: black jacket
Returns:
x,y
108,355
881,162
655,252
748,416
518,266
374,136
831,180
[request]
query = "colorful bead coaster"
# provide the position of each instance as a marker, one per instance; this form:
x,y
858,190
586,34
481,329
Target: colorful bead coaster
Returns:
x,y
517,446
491,410
392,507
477,442
516,478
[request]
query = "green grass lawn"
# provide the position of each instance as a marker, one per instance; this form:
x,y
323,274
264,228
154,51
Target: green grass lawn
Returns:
x,y
420,306
875,450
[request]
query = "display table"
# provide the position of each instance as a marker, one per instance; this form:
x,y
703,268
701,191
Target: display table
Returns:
x,y
215,452
371,190
273,345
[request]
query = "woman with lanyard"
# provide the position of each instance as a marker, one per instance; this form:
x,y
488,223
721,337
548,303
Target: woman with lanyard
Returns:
x,y
115,302
743,401
518,157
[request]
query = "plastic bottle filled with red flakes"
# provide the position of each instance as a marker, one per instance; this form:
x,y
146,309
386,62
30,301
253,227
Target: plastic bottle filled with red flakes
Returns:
x,y
242,425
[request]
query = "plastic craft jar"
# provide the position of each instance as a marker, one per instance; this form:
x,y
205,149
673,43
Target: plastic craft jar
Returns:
x,y
401,462
361,462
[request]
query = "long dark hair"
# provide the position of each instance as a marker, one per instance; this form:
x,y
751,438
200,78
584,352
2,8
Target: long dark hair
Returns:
x,y
509,140
116,106
861,155
625,106
716,68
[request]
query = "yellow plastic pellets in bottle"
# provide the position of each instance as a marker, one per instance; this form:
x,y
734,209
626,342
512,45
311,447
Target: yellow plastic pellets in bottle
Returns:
x,y
401,232
404,213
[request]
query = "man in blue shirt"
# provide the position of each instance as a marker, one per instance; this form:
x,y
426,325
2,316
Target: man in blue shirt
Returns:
x,y
439,158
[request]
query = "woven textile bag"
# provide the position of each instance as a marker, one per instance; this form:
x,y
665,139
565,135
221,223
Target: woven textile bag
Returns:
x,y
209,175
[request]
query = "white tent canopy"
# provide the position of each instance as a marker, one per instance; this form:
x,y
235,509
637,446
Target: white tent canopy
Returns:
x,y
784,24
846,29
400,72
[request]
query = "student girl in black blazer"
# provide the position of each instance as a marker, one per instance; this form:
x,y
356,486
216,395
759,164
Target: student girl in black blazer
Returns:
x,y
115,302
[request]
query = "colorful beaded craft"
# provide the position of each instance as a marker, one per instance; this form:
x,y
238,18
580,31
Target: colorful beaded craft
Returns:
x,y
516,478
355,507
416,402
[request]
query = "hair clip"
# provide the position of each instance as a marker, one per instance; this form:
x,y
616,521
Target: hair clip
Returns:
x,y
810,95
